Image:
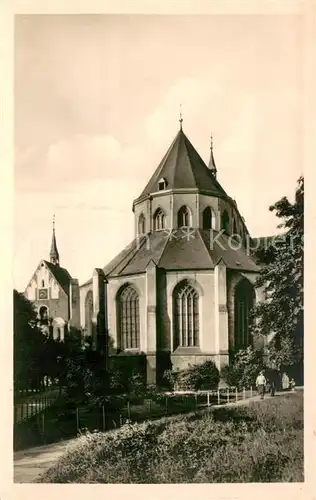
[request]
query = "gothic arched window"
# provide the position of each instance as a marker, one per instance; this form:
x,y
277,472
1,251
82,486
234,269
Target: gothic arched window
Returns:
x,y
244,302
186,315
184,217
235,232
207,218
88,309
225,221
141,224
159,220
128,318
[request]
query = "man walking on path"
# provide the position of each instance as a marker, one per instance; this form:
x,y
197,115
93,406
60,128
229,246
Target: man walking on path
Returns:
x,y
261,384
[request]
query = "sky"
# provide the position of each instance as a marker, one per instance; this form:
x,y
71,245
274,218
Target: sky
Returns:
x,y
97,101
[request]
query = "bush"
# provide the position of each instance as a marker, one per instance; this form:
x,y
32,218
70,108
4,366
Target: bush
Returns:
x,y
244,369
197,377
127,374
265,443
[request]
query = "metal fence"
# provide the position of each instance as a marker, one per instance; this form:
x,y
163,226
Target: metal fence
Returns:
x,y
45,420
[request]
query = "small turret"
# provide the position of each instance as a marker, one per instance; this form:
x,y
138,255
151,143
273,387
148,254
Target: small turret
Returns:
x,y
211,164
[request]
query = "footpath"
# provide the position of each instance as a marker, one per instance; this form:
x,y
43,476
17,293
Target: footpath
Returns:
x,y
33,462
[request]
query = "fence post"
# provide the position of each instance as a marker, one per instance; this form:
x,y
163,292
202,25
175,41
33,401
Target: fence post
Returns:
x,y
43,426
77,418
227,394
208,399
236,394
251,391
103,417
196,397
150,401
27,410
243,393
218,397
166,402
128,410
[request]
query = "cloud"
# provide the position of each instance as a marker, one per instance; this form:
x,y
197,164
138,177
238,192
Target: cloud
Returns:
x,y
77,159
194,94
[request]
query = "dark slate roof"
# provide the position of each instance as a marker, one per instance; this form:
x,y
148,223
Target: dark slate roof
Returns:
x,y
211,164
220,247
53,249
180,250
183,168
61,275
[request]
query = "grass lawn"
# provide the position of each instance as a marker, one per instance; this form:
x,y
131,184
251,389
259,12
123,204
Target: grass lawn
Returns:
x,y
261,442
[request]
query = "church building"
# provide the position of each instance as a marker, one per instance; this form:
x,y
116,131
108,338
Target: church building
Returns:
x,y
182,290
55,295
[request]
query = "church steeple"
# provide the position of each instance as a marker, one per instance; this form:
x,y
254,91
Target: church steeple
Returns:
x,y
54,255
211,164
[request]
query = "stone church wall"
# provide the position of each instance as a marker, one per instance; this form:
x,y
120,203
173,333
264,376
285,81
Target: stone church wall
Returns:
x,y
113,287
204,283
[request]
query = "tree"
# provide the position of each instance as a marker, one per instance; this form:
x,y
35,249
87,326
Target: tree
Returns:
x,y
244,369
28,342
282,279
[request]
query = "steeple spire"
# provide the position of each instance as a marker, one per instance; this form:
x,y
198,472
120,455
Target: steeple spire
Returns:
x,y
180,119
54,255
211,164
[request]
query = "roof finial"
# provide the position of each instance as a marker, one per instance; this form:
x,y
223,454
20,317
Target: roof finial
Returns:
x,y
180,119
211,142
54,222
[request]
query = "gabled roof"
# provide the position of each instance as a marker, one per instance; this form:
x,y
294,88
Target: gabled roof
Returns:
x,y
61,275
183,168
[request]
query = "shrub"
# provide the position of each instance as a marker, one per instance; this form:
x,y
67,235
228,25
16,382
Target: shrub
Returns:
x,y
265,443
244,369
196,377
127,374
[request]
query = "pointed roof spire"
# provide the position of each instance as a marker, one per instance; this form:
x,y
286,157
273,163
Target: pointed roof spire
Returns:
x,y
181,119
54,255
211,164
182,168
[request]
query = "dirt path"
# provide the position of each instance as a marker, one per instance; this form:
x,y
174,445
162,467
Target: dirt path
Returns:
x,y
30,463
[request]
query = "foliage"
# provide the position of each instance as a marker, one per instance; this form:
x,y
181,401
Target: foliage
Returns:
x,y
88,379
28,342
84,368
259,443
195,377
244,369
127,374
37,355
282,280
